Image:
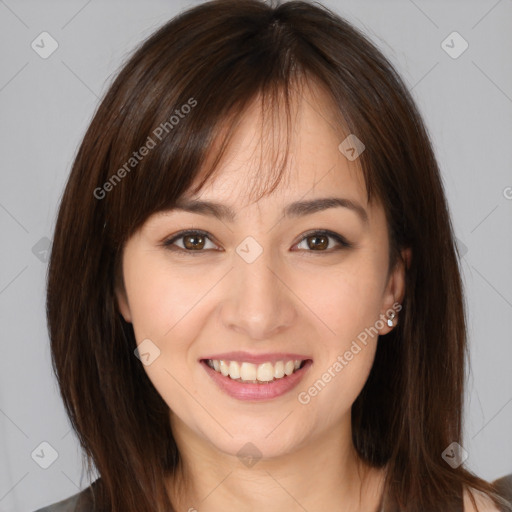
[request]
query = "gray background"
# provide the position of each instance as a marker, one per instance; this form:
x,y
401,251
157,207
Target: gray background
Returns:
x,y
46,105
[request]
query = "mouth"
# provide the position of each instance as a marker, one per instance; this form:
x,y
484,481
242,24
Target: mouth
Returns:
x,y
244,380
250,373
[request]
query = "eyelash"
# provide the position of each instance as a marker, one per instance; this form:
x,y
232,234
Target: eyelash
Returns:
x,y
343,244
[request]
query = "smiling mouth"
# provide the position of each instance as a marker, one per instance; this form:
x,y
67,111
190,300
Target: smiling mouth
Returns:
x,y
249,373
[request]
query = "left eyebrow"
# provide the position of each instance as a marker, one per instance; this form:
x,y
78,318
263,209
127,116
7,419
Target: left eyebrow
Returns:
x,y
293,210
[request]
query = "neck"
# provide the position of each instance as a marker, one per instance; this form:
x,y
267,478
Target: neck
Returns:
x,y
325,474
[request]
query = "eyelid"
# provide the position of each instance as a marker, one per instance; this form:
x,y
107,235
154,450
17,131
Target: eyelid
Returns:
x,y
168,242
343,243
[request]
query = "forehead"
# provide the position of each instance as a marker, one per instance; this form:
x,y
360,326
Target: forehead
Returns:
x,y
305,144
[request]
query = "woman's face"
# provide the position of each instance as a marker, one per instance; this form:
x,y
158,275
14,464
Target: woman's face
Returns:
x,y
254,288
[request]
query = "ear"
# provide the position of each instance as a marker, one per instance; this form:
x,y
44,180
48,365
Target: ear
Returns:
x,y
122,300
395,290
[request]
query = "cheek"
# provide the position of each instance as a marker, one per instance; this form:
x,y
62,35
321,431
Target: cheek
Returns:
x,y
341,370
166,308
160,298
346,300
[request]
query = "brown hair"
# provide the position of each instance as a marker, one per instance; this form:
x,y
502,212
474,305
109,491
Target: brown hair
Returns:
x,y
174,97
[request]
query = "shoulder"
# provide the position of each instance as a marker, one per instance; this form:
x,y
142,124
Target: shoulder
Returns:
x,y
79,502
484,503
503,486
67,505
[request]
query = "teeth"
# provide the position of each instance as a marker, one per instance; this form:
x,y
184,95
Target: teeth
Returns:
x,y
234,370
252,373
224,368
265,372
279,370
247,371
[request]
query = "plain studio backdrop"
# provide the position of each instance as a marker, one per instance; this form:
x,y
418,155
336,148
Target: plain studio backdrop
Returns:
x,y
455,56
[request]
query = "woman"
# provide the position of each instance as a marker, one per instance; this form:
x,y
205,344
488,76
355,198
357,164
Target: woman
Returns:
x,y
254,298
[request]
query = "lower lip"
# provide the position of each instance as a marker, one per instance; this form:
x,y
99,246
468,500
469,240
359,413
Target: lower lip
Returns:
x,y
257,392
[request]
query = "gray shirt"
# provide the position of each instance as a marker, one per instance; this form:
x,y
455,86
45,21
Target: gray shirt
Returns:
x,y
82,502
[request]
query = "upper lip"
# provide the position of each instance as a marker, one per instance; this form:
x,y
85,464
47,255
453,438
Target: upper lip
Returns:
x,y
257,358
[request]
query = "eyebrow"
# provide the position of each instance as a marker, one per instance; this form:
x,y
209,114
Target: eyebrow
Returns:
x,y
293,210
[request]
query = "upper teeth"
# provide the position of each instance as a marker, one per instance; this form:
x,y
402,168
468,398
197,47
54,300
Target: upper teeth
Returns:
x,y
253,373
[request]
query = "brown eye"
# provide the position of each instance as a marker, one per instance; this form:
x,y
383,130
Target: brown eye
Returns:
x,y
319,241
194,241
190,241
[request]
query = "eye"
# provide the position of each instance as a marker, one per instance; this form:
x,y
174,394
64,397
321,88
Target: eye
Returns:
x,y
193,241
318,241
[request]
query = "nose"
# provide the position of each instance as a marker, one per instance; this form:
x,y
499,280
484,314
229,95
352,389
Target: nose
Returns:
x,y
259,304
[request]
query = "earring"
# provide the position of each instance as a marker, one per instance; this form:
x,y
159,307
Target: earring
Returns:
x,y
390,319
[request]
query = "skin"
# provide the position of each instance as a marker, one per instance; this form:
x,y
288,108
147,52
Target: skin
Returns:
x,y
483,502
292,298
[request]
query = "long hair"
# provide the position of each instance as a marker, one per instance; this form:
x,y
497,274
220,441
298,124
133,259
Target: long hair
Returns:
x,y
158,126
